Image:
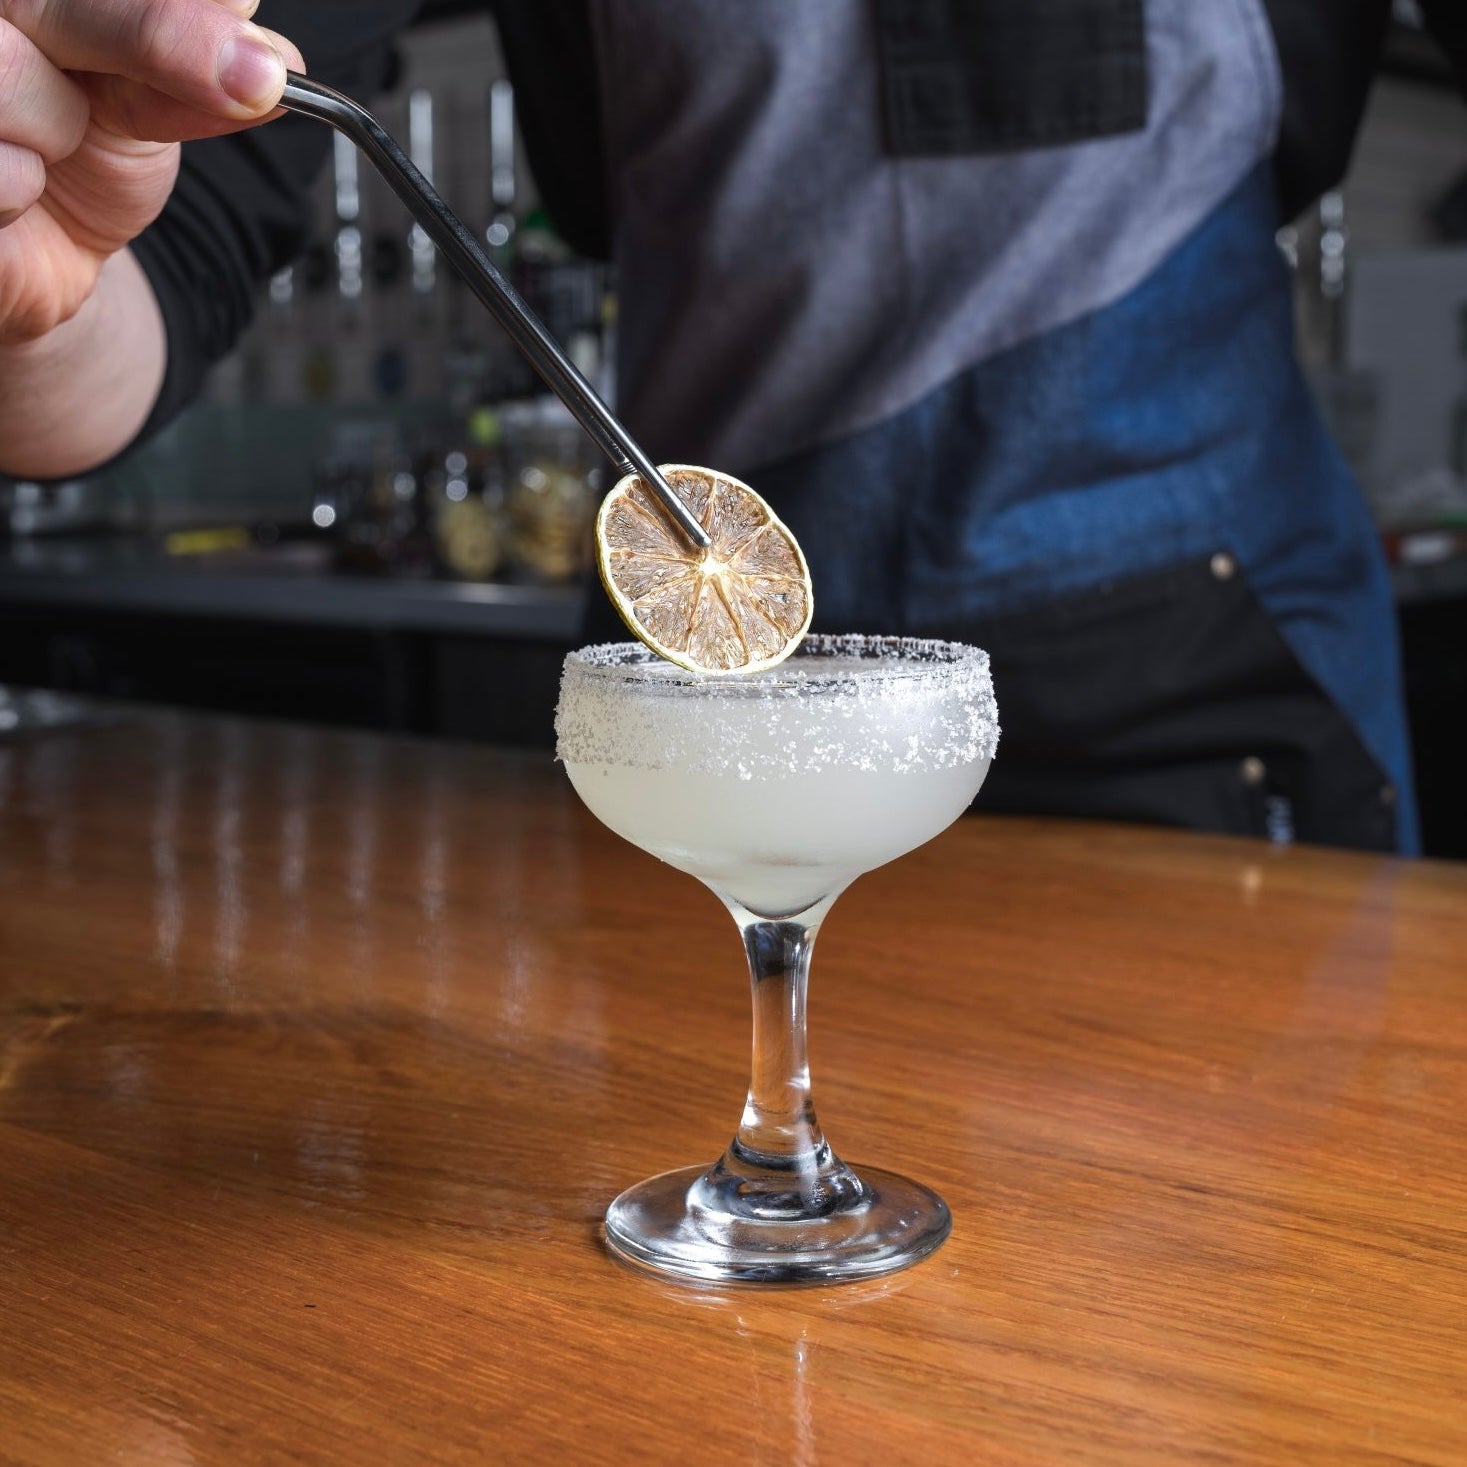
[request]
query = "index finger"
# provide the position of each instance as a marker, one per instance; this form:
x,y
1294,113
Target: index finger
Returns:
x,y
198,52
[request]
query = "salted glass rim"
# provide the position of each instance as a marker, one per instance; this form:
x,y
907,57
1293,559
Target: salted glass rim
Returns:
x,y
925,660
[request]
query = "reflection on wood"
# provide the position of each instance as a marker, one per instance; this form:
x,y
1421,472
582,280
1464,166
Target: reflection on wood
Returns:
x,y
320,1056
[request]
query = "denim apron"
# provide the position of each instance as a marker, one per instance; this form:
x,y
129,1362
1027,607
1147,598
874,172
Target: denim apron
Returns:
x,y
985,299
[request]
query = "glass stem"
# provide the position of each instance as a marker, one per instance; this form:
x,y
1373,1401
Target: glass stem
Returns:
x,y
779,1165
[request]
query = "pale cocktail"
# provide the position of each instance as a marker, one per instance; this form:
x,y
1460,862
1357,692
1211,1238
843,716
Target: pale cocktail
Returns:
x,y
777,790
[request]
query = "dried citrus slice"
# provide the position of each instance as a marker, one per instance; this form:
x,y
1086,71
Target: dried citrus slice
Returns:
x,y
739,606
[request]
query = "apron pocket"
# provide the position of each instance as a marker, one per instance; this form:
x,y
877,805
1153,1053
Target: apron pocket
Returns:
x,y
1172,698
977,76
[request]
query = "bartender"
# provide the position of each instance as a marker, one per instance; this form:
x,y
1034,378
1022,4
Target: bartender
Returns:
x,y
982,296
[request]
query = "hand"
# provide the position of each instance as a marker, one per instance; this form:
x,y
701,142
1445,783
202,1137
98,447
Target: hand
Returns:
x,y
95,96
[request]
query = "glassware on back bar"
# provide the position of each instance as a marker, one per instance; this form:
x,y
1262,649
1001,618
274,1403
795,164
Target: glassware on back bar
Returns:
x,y
777,790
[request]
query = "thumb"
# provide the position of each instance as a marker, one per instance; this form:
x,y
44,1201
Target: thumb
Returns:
x,y
130,109
202,54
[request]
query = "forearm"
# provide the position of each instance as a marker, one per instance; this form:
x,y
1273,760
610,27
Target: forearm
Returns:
x,y
79,395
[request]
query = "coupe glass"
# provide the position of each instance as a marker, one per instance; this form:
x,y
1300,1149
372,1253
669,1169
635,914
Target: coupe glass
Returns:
x,y
777,791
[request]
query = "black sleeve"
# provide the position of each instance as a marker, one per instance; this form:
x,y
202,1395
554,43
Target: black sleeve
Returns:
x,y
1447,22
1328,52
549,48
240,209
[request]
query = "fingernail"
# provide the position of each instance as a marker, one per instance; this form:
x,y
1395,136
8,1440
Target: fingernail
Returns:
x,y
250,69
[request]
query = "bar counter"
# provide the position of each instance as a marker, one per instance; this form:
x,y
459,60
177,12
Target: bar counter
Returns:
x,y
292,582
321,1054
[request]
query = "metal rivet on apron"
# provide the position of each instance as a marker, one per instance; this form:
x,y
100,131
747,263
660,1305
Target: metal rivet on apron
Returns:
x,y
1223,566
1252,770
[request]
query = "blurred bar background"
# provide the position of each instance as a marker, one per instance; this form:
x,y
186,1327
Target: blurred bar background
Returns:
x,y
374,515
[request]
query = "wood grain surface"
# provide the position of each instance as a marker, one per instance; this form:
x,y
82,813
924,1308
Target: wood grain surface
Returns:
x,y
321,1055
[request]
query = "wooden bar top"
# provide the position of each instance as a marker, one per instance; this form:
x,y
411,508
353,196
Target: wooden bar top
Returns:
x,y
321,1055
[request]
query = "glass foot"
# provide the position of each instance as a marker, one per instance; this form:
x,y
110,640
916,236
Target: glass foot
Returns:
x,y
689,1223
